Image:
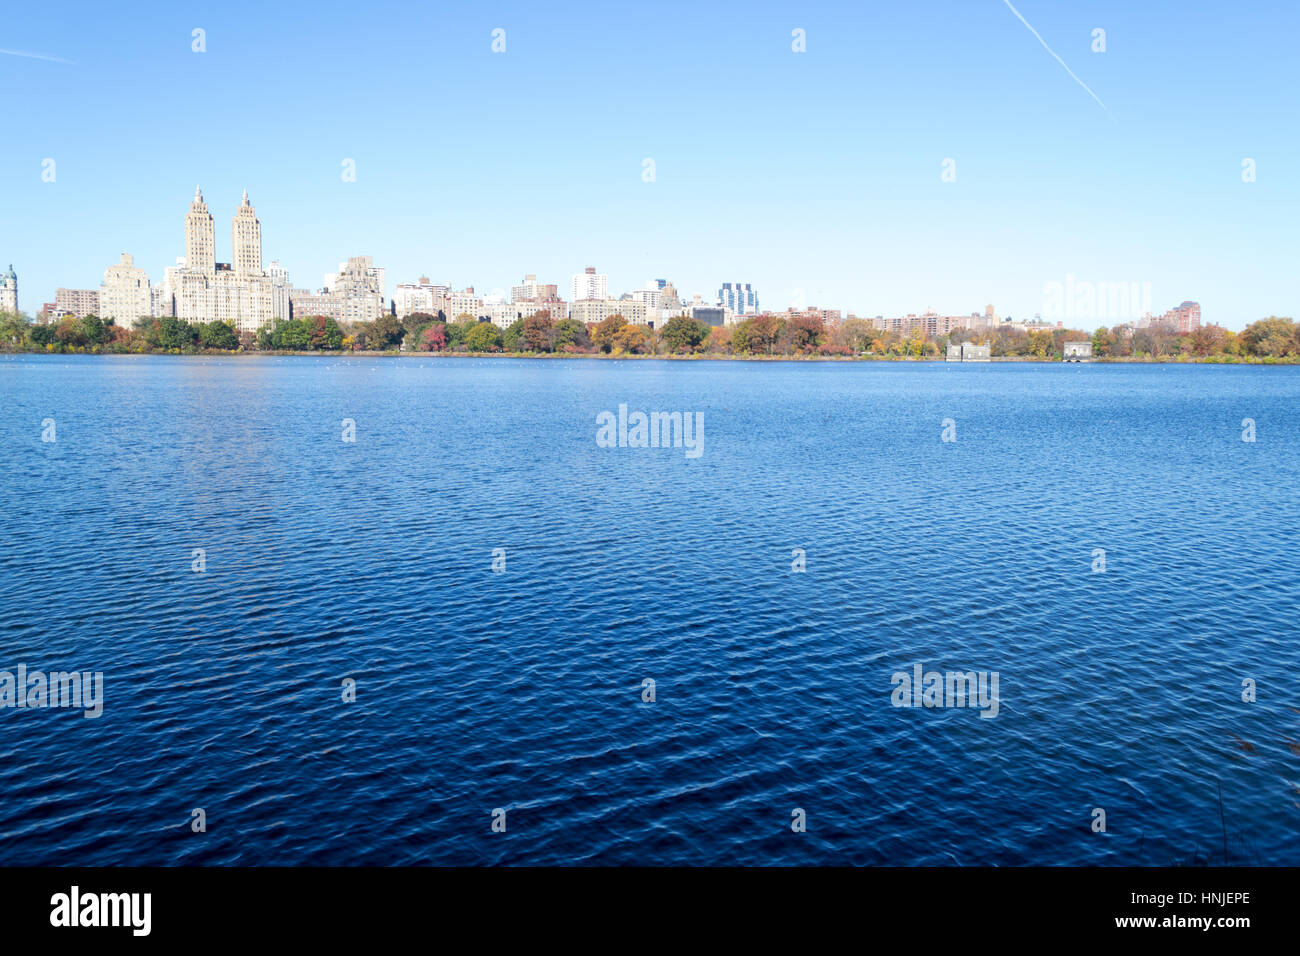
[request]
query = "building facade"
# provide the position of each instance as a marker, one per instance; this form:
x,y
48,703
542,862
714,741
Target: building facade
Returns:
x,y
530,290
206,290
125,295
598,310
968,352
423,296
76,302
739,298
590,285
1186,318
9,291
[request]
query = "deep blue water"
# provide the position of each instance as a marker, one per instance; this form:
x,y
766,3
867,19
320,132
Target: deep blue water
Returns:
x,y
521,690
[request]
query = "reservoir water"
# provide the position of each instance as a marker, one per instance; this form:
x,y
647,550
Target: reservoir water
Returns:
x,y
500,586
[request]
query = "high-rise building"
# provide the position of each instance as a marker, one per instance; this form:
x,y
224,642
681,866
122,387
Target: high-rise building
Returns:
x,y
76,302
598,310
246,240
161,302
124,295
354,294
206,290
9,291
531,297
590,285
423,296
200,237
1186,318
652,295
530,290
280,289
362,287
739,297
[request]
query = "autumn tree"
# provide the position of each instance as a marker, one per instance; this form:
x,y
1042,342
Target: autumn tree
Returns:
x,y
602,336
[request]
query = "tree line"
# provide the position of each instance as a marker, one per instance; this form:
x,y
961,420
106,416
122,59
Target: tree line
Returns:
x,y
793,335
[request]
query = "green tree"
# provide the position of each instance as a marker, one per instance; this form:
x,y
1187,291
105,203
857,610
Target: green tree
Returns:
x,y
323,333
41,334
218,335
683,334
570,332
457,330
483,337
512,339
94,331
386,332
1273,336
174,333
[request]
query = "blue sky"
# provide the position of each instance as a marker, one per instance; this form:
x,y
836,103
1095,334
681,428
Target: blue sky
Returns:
x,y
815,176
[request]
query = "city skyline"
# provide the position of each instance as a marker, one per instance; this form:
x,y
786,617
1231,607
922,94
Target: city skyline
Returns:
x,y
818,175
241,292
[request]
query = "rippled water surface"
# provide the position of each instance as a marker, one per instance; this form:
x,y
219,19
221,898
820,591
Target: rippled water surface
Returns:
x,y
522,690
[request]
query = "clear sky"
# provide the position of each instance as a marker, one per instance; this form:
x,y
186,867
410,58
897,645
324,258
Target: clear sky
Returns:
x,y
816,176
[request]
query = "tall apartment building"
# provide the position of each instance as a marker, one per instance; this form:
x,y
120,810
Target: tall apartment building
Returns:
x,y
598,310
652,295
354,294
208,290
246,241
280,290
1186,318
305,302
739,298
161,302
464,302
124,295
423,296
530,297
362,287
9,291
76,302
929,322
530,290
590,285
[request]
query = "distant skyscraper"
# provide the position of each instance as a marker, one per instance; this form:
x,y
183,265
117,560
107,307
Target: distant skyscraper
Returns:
x,y
200,237
125,295
589,285
9,291
739,297
530,290
209,291
246,240
357,293
280,288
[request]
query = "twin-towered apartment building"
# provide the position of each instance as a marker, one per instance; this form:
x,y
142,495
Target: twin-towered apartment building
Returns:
x,y
241,292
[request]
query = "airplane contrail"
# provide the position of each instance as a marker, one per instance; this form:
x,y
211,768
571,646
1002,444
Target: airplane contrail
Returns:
x,y
35,56
1053,52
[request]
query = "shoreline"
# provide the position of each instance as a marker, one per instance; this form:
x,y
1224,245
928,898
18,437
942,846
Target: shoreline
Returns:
x,y
564,356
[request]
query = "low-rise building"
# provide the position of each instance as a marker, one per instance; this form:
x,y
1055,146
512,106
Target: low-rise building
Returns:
x,y
1077,352
968,352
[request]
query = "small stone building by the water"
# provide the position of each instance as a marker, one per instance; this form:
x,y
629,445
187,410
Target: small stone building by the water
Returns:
x,y
1077,352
